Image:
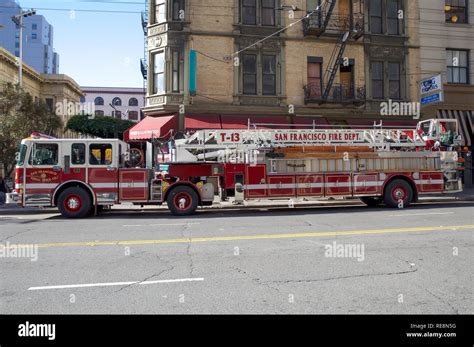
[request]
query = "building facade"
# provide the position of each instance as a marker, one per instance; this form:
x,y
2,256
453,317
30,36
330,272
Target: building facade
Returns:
x,y
55,90
38,34
122,103
447,48
281,61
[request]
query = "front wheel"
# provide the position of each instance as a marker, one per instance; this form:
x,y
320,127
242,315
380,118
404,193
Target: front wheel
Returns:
x,y
398,194
74,202
182,201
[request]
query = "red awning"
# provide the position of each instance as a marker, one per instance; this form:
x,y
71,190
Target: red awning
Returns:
x,y
203,122
154,128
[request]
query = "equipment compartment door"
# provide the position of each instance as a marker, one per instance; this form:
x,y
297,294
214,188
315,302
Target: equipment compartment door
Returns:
x,y
256,182
431,182
133,184
338,185
310,185
366,184
281,186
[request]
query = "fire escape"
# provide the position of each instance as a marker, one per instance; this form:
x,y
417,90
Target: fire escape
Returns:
x,y
344,28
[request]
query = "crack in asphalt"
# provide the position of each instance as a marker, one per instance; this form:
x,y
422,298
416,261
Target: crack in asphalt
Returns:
x,y
16,234
345,277
146,279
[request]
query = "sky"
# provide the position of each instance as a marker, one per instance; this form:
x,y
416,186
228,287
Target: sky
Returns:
x,y
96,49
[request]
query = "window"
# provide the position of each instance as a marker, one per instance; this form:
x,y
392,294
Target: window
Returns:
x,y
269,74
44,154
249,12
377,80
314,77
456,11
159,73
34,26
394,81
100,154
99,113
99,101
50,104
78,154
133,115
117,114
268,12
458,66
117,102
133,102
393,7
175,67
34,36
178,10
250,74
82,99
22,156
160,11
376,16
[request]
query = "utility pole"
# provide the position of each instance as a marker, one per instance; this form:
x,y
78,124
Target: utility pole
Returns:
x,y
18,20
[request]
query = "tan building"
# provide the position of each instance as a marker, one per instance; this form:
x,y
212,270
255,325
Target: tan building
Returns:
x,y
308,72
55,90
447,48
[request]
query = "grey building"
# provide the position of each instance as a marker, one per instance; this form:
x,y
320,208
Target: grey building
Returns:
x,y
38,51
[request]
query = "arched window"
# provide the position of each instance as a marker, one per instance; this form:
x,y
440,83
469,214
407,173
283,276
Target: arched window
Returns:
x,y
99,101
83,99
117,102
133,102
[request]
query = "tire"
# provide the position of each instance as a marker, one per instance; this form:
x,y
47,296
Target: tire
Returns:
x,y
371,202
398,190
182,201
74,202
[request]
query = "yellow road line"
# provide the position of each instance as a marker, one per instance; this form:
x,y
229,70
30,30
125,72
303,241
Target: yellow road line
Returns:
x,y
252,237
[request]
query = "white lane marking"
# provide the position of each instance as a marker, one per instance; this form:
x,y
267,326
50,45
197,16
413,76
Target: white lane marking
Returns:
x,y
159,225
419,214
90,285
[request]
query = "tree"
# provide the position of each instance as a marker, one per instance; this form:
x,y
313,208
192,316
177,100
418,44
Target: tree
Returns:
x,y
99,126
21,115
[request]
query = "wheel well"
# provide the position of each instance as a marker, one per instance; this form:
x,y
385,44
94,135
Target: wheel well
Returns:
x,y
180,185
406,179
69,185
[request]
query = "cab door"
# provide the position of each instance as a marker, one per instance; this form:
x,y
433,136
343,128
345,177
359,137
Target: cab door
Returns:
x,y
103,171
43,173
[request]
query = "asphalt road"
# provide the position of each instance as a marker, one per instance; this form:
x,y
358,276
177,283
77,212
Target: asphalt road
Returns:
x,y
414,261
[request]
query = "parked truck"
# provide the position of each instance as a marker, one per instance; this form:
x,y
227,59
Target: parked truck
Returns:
x,y
377,165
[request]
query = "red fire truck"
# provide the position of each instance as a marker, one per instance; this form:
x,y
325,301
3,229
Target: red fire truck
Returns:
x,y
377,165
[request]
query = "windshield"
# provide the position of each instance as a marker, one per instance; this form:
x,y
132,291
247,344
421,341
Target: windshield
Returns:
x,y
21,155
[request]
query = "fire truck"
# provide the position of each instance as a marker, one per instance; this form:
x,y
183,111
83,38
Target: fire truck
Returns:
x,y
376,165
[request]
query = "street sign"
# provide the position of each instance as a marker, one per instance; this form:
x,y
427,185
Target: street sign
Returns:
x,y
433,98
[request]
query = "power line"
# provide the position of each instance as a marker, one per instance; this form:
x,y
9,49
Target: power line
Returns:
x,y
283,29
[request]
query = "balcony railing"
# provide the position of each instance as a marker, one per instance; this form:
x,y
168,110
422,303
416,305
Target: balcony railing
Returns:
x,y
314,25
338,94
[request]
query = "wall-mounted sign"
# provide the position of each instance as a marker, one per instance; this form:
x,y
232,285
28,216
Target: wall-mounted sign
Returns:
x,y
431,90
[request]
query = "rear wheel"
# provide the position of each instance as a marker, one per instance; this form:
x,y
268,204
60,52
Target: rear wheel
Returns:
x,y
398,194
74,202
182,201
371,202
